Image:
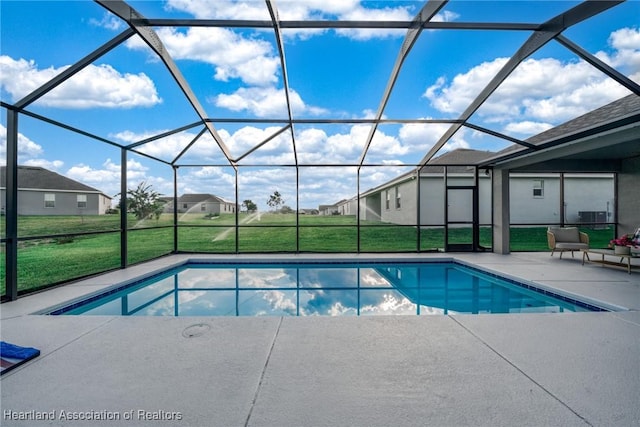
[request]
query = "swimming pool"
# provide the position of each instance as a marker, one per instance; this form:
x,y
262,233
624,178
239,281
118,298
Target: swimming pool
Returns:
x,y
333,289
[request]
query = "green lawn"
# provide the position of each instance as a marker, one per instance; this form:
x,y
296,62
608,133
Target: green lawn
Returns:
x,y
47,261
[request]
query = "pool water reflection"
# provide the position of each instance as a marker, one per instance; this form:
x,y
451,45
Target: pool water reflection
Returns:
x,y
322,289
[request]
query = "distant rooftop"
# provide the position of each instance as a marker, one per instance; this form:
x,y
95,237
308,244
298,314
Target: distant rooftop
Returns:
x,y
200,197
35,177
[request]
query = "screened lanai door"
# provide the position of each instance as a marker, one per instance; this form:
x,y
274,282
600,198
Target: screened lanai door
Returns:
x,y
460,231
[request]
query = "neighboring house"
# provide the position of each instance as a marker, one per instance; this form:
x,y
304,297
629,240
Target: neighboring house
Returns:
x,y
331,209
537,195
201,203
535,198
395,200
306,211
43,192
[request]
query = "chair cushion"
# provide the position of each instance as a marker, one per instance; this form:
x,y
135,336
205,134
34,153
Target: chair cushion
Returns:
x,y
566,234
571,246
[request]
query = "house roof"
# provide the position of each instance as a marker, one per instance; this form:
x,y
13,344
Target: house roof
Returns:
x,y
323,207
199,198
616,110
457,160
34,177
622,107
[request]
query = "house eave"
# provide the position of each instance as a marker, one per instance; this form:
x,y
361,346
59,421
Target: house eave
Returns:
x,y
54,190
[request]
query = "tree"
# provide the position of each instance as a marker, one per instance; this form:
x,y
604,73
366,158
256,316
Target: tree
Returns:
x,y
250,206
143,201
275,200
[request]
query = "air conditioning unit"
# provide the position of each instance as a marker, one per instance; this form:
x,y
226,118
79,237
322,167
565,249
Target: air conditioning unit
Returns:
x,y
593,218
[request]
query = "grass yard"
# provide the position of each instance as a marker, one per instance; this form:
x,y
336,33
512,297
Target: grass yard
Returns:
x,y
43,262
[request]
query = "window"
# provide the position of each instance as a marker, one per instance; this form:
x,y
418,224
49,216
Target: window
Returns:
x,y
185,206
49,200
398,201
387,199
82,201
538,188
203,207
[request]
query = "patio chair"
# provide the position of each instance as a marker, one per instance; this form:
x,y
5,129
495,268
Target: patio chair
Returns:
x,y
564,239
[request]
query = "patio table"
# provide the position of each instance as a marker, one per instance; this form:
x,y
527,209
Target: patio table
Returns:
x,y
609,253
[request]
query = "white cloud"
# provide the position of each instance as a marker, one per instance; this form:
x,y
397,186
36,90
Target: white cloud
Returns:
x,y
265,102
94,86
420,137
456,96
567,105
326,185
315,9
280,301
296,10
248,137
446,16
108,21
166,148
205,149
359,13
287,10
107,177
27,149
221,9
318,185
527,127
84,173
22,77
540,92
211,179
314,146
388,303
130,137
452,144
626,54
29,152
625,39
278,150
311,140
233,56
53,165
382,146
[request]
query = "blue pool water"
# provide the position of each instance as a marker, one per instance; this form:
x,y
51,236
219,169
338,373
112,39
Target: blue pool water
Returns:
x,y
333,289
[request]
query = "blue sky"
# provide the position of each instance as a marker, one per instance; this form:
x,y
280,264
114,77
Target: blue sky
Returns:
x,y
127,95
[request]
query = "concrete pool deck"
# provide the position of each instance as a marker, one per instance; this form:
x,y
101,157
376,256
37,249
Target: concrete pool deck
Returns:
x,y
508,369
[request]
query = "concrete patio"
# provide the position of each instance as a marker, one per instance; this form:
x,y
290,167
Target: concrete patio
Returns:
x,y
520,369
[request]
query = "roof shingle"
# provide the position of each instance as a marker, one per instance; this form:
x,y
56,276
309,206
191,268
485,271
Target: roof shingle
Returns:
x,y
35,177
